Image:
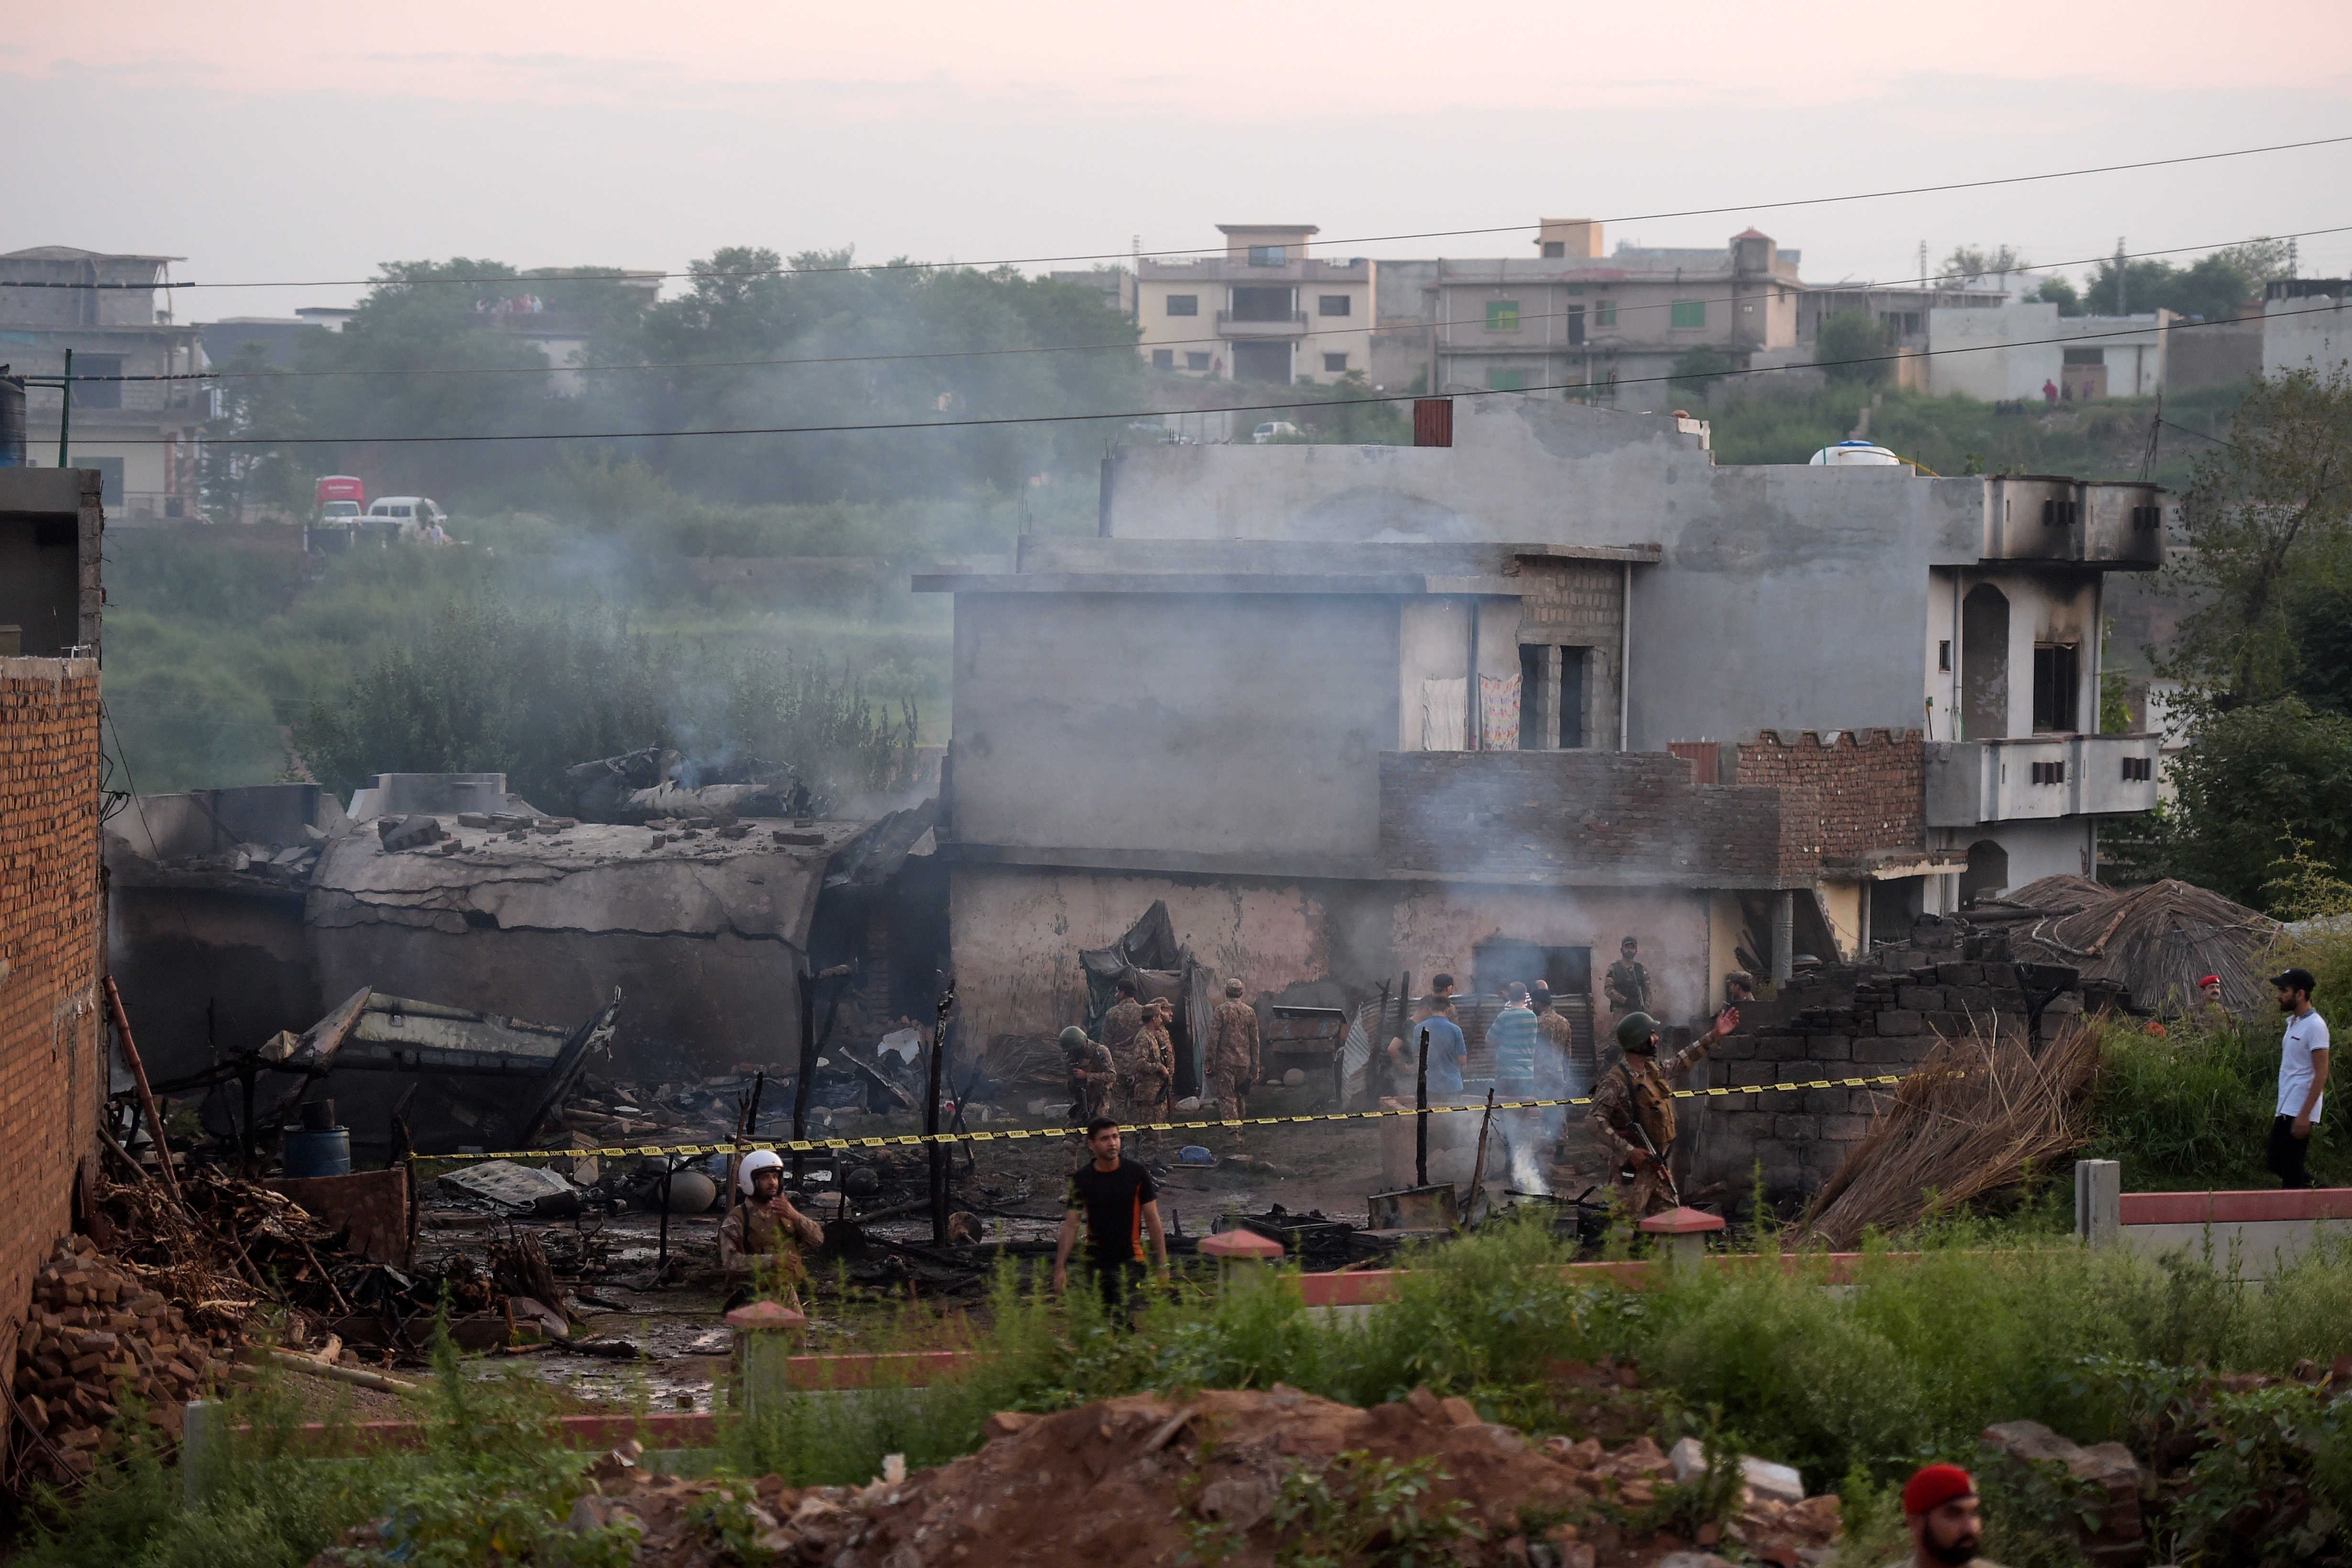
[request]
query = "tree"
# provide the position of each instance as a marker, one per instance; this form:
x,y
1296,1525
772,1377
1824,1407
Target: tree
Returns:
x,y
1698,370
2257,786
1852,347
2267,519
2059,292
1975,261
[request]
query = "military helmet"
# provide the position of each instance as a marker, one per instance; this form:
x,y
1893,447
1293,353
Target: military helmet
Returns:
x,y
1633,1031
1074,1038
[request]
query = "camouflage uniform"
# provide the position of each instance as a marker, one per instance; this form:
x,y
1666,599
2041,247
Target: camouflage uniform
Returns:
x,y
1150,1069
1090,1096
1233,1056
1638,1092
1559,1075
1119,1028
753,1231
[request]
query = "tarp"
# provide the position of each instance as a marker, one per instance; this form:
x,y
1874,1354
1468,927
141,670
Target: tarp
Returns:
x,y
1160,967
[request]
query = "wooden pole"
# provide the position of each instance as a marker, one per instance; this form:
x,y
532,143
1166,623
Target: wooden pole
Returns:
x,y
146,1095
807,1075
1479,1166
932,1146
1421,1115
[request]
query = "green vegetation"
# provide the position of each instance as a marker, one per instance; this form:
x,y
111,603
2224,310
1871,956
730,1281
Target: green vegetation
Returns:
x,y
1909,1361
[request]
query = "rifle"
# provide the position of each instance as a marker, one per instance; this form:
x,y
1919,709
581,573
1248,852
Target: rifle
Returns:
x,y
1663,1169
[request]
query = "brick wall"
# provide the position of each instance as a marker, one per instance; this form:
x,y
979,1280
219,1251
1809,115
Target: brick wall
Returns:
x,y
1870,785
52,1078
1853,1021
1578,604
1557,816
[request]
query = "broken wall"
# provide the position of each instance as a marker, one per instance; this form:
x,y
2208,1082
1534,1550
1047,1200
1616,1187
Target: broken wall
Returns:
x,y
52,1074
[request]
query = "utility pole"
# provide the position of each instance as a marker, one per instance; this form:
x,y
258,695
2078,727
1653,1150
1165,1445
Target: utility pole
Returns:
x,y
65,410
1923,264
2122,309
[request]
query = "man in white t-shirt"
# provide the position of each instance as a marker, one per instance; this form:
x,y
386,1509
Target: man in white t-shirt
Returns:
x,y
2303,1077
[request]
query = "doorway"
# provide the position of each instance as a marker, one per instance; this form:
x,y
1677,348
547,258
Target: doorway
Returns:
x,y
1262,362
1984,663
1988,872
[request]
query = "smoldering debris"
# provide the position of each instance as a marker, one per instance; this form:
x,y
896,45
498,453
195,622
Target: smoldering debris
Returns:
x,y
640,786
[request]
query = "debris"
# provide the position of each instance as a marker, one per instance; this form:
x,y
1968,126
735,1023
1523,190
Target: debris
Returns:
x,y
2153,941
1975,1116
413,832
2107,1484
505,1183
96,1329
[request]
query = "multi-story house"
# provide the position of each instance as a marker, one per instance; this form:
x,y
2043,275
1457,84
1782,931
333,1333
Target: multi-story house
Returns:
x,y
1266,310
142,436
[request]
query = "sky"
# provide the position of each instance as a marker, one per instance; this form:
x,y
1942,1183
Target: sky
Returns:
x,y
279,143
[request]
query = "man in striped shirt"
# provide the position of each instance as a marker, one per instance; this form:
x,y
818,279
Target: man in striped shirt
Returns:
x,y
1512,1037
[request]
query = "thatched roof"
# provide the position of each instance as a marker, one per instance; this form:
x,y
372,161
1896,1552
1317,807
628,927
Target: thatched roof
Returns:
x,y
2158,941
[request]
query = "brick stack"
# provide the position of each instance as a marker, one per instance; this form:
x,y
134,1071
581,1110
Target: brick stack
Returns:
x,y
52,1074
1853,1021
95,1337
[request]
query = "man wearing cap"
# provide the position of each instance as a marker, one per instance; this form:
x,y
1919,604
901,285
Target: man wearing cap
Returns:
x,y
1632,1111
1092,1075
2303,1077
764,1230
1232,1052
1628,985
1946,1520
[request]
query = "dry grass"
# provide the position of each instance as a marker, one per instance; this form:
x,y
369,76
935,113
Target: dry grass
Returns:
x,y
1976,1115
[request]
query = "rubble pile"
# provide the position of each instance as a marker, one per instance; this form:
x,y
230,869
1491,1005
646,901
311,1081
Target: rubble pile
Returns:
x,y
99,1334
1162,1479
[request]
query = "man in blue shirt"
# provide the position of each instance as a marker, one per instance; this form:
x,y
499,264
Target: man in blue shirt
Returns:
x,y
1447,1050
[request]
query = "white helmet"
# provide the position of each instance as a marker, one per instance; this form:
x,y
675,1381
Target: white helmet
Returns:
x,y
755,1161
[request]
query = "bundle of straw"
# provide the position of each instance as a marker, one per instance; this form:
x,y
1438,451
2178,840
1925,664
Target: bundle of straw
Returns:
x,y
1976,1116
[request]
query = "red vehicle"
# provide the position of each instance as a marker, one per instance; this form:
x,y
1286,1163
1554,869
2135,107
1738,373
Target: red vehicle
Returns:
x,y
340,496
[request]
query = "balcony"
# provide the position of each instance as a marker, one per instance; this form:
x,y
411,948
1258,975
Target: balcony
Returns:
x,y
1293,325
2038,778
2031,518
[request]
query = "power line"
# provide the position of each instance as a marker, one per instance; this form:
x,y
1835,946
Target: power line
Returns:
x,y
1131,346
1376,399
633,276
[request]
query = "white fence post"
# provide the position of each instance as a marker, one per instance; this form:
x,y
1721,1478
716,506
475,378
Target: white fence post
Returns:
x,y
2098,1202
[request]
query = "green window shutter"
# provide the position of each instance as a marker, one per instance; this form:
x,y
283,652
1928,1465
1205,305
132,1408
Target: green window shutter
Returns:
x,y
1501,315
1507,380
1690,313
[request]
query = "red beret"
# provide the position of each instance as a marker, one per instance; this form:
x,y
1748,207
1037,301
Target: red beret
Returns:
x,y
2210,980
1935,1485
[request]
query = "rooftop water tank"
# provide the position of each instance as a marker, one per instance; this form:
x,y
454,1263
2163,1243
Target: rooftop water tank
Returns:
x,y
1856,455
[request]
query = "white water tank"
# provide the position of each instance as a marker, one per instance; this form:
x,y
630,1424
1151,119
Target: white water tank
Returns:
x,y
1856,455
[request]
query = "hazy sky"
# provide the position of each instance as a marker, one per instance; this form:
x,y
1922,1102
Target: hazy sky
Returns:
x,y
269,141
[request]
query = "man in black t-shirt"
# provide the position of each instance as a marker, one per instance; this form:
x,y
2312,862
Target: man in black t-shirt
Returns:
x,y
1119,1202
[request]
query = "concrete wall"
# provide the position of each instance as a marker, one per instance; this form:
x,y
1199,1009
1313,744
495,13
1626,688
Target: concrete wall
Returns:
x,y
1817,577
52,1074
2007,352
1180,723
1017,932
2313,331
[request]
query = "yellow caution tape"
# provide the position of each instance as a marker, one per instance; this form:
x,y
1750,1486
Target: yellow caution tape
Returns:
x,y
905,1139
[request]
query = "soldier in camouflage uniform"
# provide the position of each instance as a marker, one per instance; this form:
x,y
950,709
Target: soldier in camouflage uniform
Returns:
x,y
1632,1111
1092,1076
1119,1025
1233,1053
1150,1071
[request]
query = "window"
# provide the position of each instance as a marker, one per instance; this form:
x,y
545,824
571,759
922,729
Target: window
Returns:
x,y
1501,315
1164,359
1555,249
1336,365
2084,356
1261,304
1944,656
2048,774
1196,359
1268,255
1573,665
1507,380
1575,324
1183,304
2139,770
109,469
1334,305
1604,314
96,394
1688,313
2057,676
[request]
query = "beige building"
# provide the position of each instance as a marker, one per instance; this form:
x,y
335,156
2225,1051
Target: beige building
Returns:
x,y
141,435
1266,310
1571,317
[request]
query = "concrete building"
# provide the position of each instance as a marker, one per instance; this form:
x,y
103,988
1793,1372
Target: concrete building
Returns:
x,y
2013,352
140,435
1498,702
1266,310
2307,324
1571,317
1115,284
53,1057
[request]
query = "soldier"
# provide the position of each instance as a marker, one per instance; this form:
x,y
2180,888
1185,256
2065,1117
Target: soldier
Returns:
x,y
1632,1112
1151,1067
1119,1025
1234,1052
1092,1075
764,1230
1629,983
1559,1075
